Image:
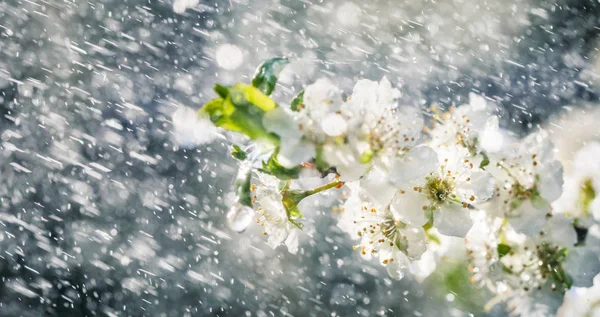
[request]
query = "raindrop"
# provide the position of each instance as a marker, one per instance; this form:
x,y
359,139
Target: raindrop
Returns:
x,y
239,217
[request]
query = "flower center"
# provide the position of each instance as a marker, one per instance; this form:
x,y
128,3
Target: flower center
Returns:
x,y
391,229
439,189
550,263
587,194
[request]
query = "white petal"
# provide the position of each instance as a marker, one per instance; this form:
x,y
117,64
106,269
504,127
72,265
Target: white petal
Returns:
x,y
417,163
529,220
321,98
595,208
560,231
416,242
551,181
281,123
452,220
409,207
276,235
292,154
334,124
481,186
292,241
375,184
582,264
397,267
344,160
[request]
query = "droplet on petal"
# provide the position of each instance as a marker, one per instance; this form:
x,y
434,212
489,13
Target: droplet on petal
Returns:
x,y
239,217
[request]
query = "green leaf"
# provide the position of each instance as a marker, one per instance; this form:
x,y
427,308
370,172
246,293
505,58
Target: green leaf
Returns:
x,y
485,162
242,189
320,163
243,94
265,77
241,109
503,249
221,90
273,167
238,153
298,102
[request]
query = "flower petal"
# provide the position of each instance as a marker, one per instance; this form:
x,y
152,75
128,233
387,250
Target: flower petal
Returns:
x,y
551,181
281,123
334,124
452,220
559,230
375,184
529,219
292,241
480,186
582,265
410,207
344,160
293,154
417,163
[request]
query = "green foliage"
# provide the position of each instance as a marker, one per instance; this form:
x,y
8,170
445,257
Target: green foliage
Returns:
x,y
242,188
320,163
485,162
291,199
298,102
503,249
241,109
453,277
265,77
238,153
272,166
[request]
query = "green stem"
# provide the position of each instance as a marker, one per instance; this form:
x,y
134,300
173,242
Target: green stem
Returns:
x,y
325,187
291,199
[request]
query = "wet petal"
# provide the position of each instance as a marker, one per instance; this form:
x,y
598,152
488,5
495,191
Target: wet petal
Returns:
x,y
417,163
582,265
551,181
293,154
480,187
334,124
452,220
292,241
410,207
529,220
281,123
560,231
344,160
375,184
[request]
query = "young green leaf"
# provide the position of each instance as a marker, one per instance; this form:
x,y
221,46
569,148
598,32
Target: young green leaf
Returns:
x,y
241,109
265,77
238,153
298,102
503,249
485,162
273,167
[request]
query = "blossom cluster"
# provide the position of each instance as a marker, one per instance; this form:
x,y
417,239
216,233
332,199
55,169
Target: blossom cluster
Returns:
x,y
411,187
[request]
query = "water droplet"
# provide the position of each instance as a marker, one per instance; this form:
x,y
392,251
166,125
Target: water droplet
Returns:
x,y
239,217
229,56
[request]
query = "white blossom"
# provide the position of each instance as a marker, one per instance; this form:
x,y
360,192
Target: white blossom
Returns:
x,y
445,194
528,181
580,199
273,216
381,234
